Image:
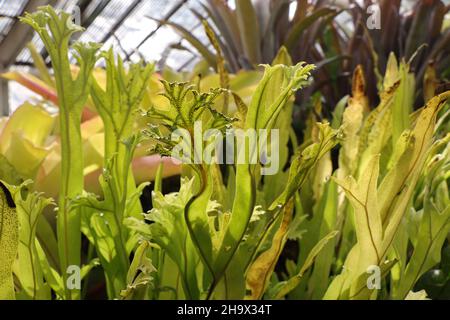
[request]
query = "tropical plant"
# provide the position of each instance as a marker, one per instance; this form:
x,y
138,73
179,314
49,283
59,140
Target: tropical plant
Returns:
x,y
419,36
117,104
41,145
221,231
378,180
334,37
254,31
55,31
279,218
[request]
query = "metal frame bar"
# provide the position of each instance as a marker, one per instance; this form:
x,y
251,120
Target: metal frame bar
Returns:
x,y
18,36
120,20
12,44
4,96
86,21
169,14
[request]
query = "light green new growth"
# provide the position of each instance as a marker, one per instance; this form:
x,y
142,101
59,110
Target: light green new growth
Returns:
x,y
55,30
273,92
218,248
188,106
118,104
224,233
28,268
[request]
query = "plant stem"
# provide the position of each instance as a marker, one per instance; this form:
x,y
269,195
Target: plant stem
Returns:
x,y
69,221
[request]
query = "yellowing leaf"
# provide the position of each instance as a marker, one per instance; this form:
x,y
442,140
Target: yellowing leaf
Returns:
x,y
419,295
259,273
352,120
398,185
289,285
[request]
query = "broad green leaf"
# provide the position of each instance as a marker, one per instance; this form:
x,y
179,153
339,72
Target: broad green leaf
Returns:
x,y
363,197
360,289
273,92
101,229
379,134
103,225
196,218
433,221
434,229
275,89
379,209
88,267
324,221
338,112
394,193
